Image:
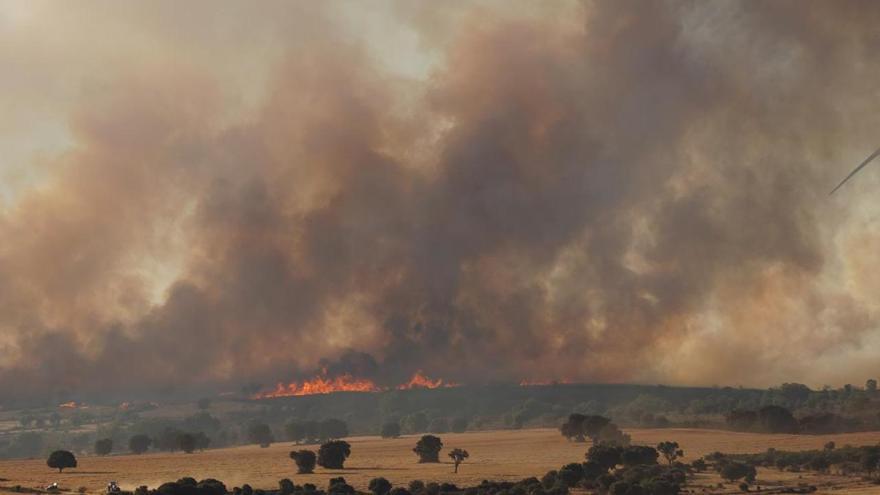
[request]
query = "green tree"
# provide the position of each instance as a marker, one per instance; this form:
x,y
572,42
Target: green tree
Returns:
x,y
428,449
670,451
61,459
332,455
458,456
305,460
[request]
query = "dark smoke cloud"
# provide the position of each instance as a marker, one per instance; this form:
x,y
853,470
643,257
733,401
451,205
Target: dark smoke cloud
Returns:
x,y
621,191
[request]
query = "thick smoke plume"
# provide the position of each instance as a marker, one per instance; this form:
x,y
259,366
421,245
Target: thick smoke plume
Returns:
x,y
602,191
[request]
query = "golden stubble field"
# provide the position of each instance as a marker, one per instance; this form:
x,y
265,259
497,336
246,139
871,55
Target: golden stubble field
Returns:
x,y
495,455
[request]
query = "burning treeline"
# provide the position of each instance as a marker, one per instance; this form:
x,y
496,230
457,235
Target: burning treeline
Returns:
x,y
594,191
324,384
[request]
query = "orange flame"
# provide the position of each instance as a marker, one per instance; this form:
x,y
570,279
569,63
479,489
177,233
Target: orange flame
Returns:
x,y
68,405
322,384
419,380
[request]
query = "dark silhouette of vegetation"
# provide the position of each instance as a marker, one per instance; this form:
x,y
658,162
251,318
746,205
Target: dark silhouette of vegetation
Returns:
x,y
428,449
768,419
458,456
315,431
286,487
332,455
638,455
734,470
338,486
578,427
61,459
605,456
390,429
670,451
379,486
305,461
260,434
104,446
186,442
139,443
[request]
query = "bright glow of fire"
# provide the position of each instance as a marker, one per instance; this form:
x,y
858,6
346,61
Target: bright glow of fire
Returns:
x,y
419,380
323,384
68,405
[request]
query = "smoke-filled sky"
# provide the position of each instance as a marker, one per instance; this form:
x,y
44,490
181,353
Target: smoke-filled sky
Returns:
x,y
199,195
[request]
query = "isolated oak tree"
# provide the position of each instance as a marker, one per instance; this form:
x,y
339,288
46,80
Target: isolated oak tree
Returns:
x,y
458,456
305,461
428,449
61,459
332,455
670,451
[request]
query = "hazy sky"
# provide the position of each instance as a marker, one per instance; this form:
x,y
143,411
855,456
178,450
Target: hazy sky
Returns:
x,y
210,193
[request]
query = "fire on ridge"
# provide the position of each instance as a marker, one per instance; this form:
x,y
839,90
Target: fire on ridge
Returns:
x,y
322,384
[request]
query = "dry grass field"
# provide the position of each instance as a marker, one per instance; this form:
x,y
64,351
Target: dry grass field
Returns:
x,y
495,455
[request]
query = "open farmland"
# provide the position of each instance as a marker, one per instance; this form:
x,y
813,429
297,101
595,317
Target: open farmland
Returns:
x,y
495,455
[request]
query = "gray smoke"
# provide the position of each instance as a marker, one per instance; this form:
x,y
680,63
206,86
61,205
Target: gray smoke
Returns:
x,y
607,191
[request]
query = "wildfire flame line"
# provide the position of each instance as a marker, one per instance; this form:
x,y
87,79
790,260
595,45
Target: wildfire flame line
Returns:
x,y
323,384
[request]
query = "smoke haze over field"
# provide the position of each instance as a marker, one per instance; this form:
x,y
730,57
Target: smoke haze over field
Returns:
x,y
211,194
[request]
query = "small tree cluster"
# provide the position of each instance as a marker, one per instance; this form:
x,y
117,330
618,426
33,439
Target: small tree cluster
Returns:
x,y
305,461
428,449
332,455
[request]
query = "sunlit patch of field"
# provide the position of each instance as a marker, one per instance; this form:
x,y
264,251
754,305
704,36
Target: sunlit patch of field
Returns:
x,y
495,455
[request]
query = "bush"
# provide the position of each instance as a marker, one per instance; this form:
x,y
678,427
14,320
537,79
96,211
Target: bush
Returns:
x,y
338,486
332,455
61,459
286,487
428,449
379,486
305,461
